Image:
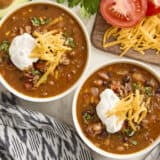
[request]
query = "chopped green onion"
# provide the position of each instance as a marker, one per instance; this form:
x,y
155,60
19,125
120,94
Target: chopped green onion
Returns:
x,y
4,46
119,135
129,132
46,21
65,34
35,72
36,21
148,91
70,42
134,142
135,86
86,116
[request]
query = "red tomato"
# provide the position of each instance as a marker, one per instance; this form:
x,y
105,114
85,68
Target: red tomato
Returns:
x,y
153,7
123,13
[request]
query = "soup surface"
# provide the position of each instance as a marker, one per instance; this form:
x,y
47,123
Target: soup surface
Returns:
x,y
38,20
123,79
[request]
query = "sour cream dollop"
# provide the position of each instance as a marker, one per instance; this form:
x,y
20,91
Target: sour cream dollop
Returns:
x,y
108,101
20,50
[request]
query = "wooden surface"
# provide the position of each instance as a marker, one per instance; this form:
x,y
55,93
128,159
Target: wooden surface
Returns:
x,y
97,35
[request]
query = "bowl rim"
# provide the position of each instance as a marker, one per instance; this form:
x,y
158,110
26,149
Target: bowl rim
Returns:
x,y
82,135
72,87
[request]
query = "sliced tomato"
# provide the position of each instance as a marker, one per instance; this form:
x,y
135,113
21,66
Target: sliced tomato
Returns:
x,y
153,7
123,13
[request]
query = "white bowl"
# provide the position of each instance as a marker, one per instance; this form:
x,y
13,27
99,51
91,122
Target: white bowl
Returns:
x,y
134,156
33,99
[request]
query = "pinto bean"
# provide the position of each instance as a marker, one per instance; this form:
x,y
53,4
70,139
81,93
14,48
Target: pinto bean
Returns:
x,y
120,148
98,82
44,94
103,76
28,29
94,129
51,83
126,79
107,142
115,86
21,30
133,70
28,75
144,123
122,72
154,118
69,76
28,85
73,53
65,61
94,91
138,77
86,98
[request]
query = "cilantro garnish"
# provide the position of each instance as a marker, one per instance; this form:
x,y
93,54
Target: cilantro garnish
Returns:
x,y
86,117
135,86
35,72
148,91
70,42
88,7
134,142
36,21
4,46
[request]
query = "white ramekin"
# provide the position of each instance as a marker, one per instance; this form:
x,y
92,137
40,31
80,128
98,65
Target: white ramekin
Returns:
x,y
134,156
33,99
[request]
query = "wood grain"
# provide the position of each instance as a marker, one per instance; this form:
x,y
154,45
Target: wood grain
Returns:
x,y
98,31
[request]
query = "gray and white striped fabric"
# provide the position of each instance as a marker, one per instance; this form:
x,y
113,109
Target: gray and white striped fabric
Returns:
x,y
155,154
27,135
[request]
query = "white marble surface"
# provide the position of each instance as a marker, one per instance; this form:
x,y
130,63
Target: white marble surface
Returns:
x,y
62,108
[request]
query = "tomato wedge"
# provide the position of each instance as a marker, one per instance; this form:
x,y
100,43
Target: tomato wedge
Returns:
x,y
123,13
153,7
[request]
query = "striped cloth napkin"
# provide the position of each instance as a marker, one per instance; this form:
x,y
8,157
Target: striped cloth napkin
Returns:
x,y
154,155
28,135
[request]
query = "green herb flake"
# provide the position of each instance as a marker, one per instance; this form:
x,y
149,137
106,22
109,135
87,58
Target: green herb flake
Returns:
x,y
4,46
35,72
46,21
88,7
65,34
91,7
135,86
129,132
148,91
134,142
119,135
60,1
70,42
86,117
73,3
36,21
84,12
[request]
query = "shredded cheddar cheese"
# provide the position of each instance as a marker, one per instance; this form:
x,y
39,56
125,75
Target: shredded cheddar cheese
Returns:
x,y
50,47
132,108
146,35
